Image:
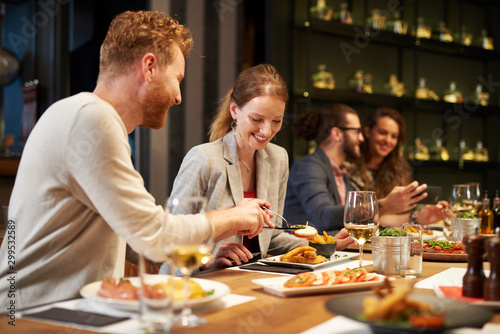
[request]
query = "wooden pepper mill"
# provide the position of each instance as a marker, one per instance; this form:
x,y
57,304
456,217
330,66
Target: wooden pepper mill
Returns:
x,y
473,281
492,283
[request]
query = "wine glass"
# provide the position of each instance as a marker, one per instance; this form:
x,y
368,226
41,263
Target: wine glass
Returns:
x,y
475,194
361,217
187,254
462,198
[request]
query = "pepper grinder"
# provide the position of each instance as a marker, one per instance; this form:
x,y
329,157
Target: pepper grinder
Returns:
x,y
473,281
492,284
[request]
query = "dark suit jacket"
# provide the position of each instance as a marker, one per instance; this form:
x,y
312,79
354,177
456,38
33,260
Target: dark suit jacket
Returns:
x,y
312,194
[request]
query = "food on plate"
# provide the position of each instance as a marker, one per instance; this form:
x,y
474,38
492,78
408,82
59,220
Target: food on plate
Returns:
x,y
304,231
325,239
390,232
444,246
303,254
125,290
428,232
331,277
395,307
411,229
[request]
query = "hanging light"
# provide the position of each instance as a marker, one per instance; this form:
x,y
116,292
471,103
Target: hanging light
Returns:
x,y
9,64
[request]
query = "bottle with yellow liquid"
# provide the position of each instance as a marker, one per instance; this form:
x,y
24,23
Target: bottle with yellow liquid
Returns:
x,y
487,217
496,211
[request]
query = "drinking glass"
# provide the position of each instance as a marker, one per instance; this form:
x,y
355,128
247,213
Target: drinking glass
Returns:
x,y
361,217
189,255
155,298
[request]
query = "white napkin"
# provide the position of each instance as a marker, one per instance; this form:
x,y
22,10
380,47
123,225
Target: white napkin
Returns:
x,y
344,325
132,325
339,325
448,277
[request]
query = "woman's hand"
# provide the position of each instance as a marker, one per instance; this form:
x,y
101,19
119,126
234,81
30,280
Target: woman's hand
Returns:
x,y
344,240
231,251
247,218
432,213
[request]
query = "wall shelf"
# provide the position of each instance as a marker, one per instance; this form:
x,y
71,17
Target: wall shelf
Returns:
x,y
383,53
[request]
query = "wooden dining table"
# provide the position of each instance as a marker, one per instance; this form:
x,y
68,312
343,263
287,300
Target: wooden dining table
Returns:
x,y
266,314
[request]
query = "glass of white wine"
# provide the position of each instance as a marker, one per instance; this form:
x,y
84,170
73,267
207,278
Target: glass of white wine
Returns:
x,y
188,255
361,217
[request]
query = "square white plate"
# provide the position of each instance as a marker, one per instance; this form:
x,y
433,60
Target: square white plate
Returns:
x,y
335,259
275,286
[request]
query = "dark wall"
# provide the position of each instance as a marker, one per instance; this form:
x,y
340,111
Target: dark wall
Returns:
x,y
59,46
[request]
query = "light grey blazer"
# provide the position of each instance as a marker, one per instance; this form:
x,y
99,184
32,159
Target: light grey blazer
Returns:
x,y
212,170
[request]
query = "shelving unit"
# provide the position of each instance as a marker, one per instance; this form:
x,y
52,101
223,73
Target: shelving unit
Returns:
x,y
382,53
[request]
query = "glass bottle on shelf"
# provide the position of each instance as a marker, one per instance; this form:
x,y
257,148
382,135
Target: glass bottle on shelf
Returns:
x,y
376,21
482,97
480,152
394,87
421,92
486,215
356,82
345,15
465,38
321,11
445,156
323,79
423,31
452,95
421,151
443,33
484,41
397,25
439,152
496,211
424,93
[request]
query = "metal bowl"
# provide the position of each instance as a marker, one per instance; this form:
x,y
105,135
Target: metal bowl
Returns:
x,y
326,250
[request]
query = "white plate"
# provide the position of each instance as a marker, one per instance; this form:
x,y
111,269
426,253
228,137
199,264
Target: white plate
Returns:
x,y
435,235
334,259
494,304
275,286
90,290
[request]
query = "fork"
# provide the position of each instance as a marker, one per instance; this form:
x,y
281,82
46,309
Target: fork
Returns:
x,y
277,214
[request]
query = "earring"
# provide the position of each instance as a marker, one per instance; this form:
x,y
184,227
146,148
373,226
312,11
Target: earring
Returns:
x,y
233,125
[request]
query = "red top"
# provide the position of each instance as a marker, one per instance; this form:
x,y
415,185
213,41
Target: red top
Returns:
x,y
251,244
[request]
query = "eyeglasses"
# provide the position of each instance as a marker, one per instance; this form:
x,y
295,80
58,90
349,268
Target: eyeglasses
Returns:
x,y
347,128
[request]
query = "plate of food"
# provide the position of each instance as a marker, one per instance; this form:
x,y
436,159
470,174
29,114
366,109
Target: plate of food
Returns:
x,y
430,234
124,294
331,281
305,257
400,311
444,250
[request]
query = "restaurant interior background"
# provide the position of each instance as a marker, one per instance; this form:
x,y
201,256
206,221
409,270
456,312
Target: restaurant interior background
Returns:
x,y
57,43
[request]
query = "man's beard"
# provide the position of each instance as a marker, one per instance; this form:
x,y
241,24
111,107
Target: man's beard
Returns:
x,y
350,149
155,105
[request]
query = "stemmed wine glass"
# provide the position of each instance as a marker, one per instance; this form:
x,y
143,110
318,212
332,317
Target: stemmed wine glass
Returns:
x,y
189,255
462,198
361,217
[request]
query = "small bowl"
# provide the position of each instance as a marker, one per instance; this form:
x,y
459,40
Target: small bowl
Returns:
x,y
326,250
